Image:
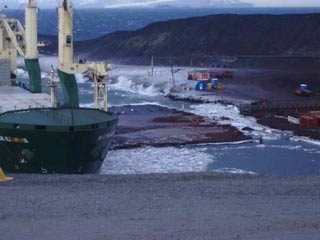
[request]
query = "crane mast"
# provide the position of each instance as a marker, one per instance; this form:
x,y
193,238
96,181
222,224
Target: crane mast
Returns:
x,y
67,68
31,56
31,30
65,13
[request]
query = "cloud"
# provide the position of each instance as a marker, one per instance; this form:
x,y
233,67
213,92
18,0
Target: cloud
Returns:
x,y
136,3
285,3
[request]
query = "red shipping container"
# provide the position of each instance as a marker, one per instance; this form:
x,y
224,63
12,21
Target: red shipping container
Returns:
x,y
317,117
309,122
316,114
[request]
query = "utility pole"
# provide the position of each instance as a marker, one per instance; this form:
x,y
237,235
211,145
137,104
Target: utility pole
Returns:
x,y
173,79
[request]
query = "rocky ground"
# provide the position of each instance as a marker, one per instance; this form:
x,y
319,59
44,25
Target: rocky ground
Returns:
x,y
165,206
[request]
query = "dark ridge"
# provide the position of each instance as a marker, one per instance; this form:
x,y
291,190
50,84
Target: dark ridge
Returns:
x,y
211,36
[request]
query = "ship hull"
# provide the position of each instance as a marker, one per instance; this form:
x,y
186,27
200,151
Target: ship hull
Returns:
x,y
68,151
54,152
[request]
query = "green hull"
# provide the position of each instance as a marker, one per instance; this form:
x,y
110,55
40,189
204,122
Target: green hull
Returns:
x,y
34,72
70,89
65,149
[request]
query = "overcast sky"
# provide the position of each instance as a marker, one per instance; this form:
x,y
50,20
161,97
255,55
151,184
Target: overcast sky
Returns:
x,y
103,3
285,3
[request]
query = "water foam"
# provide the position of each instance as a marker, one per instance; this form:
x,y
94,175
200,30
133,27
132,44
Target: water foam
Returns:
x,y
126,84
163,160
21,73
139,80
305,139
230,114
234,171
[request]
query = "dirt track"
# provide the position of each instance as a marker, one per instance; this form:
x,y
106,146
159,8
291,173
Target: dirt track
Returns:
x,y
185,206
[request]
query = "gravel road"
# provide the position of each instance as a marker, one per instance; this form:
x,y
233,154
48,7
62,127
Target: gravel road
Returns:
x,y
161,206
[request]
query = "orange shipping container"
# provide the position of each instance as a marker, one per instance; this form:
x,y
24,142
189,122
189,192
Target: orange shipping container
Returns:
x,y
202,76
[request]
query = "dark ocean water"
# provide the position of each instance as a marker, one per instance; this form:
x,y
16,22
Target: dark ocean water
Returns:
x,y
92,23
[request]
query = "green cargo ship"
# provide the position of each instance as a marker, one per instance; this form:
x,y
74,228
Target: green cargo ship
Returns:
x,y
36,136
55,140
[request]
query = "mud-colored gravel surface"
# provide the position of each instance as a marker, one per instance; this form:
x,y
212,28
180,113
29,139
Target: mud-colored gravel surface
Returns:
x,y
176,206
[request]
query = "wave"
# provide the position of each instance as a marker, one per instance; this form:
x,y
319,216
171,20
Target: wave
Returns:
x,y
234,171
230,114
138,87
226,143
305,139
90,105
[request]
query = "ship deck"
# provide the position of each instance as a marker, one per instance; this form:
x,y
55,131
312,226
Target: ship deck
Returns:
x,y
13,98
59,117
18,106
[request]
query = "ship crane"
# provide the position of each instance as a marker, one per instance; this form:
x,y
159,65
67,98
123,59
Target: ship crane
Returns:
x,y
11,40
15,39
67,67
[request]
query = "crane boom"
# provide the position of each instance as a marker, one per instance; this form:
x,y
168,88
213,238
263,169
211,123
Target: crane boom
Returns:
x,y
10,28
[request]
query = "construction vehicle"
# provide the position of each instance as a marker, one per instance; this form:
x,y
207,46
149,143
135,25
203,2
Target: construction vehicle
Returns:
x,y
303,91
